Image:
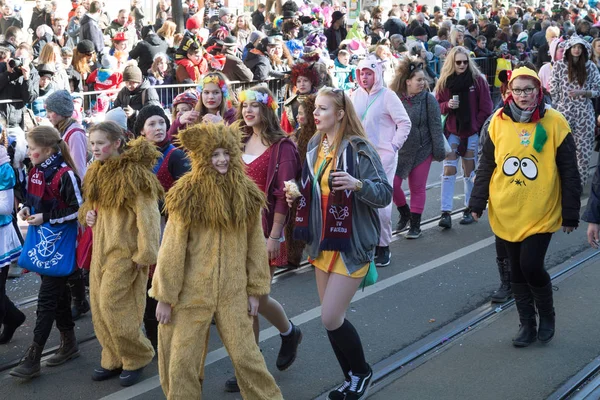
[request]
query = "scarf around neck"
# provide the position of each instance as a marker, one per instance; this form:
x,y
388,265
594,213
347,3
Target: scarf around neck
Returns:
x,y
460,85
337,230
40,176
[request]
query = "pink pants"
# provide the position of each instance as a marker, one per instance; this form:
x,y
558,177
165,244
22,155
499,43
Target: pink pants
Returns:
x,y
417,182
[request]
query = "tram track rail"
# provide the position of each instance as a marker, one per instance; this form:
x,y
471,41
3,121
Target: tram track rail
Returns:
x,y
585,385
394,367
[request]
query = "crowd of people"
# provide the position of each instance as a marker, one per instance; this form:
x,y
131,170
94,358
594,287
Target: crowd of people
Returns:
x,y
179,209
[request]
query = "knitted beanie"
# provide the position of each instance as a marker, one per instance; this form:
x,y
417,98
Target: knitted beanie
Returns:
x,y
118,116
61,103
187,97
148,112
86,47
132,73
193,23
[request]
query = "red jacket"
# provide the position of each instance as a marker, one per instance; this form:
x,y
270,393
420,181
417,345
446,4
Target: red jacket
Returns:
x,y
186,69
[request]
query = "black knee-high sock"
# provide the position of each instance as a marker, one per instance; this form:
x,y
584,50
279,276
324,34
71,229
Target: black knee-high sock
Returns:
x,y
347,340
342,360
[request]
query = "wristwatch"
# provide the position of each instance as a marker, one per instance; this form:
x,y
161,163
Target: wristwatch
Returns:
x,y
358,186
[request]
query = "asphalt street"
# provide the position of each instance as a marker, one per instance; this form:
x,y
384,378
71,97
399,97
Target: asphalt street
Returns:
x,y
431,283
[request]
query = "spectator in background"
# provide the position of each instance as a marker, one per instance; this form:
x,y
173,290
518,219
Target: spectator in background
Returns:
x,y
258,16
481,48
121,24
50,55
242,30
12,39
40,16
552,33
470,37
84,59
336,32
539,38
75,82
135,95
194,64
145,51
394,25
90,29
234,68
74,27
259,60
44,35
19,83
160,74
61,37
107,77
138,13
9,17
167,33
46,88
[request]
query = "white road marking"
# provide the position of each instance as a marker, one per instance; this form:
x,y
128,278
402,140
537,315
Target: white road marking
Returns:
x,y
219,354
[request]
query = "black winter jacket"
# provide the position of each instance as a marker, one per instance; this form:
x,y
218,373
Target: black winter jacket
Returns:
x,y
566,162
592,211
90,30
141,96
260,65
13,86
145,51
332,43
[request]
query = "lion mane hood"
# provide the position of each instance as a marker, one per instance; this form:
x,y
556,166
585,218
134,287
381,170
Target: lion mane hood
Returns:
x,y
204,197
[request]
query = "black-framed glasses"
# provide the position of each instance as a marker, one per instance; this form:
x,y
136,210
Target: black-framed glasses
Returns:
x,y
526,91
336,91
461,62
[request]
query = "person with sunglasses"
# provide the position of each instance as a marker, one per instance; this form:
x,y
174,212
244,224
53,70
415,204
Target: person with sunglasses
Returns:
x,y
387,126
464,97
343,184
528,177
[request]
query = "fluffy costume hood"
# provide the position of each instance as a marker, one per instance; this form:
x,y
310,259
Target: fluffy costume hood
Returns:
x,y
374,65
203,197
575,39
117,181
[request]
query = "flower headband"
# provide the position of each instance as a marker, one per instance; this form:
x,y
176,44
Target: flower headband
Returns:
x,y
251,95
219,82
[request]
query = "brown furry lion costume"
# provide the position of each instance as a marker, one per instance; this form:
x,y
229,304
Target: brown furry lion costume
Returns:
x,y
125,192
213,256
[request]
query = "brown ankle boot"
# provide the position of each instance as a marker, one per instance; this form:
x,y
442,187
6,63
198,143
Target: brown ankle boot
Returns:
x,y
67,351
29,367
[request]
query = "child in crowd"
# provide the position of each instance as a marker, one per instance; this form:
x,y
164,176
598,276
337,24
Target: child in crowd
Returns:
x,y
53,168
345,73
216,208
121,206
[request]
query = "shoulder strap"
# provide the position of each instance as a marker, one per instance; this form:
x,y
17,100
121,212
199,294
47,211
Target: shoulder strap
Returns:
x,y
55,184
71,132
144,97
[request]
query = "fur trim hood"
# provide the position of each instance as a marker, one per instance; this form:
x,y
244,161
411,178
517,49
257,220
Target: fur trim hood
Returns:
x,y
204,197
117,181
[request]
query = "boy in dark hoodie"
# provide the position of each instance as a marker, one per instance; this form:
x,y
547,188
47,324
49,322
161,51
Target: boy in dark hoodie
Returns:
x,y
135,95
145,50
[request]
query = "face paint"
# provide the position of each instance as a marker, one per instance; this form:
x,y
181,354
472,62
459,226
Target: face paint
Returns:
x,y
35,155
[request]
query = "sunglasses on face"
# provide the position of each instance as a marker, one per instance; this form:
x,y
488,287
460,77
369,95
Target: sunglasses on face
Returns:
x,y
459,62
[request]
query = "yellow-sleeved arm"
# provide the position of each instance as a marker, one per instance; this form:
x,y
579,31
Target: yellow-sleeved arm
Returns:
x,y
170,269
148,225
83,210
257,261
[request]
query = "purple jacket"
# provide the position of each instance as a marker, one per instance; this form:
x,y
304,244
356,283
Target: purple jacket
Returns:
x,y
481,107
284,165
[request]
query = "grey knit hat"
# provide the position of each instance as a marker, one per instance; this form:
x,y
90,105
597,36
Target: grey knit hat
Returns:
x,y
118,116
61,103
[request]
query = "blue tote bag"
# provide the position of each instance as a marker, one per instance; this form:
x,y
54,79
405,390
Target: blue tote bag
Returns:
x,y
50,249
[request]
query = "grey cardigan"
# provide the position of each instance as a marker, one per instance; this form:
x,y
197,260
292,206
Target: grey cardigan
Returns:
x,y
375,193
426,135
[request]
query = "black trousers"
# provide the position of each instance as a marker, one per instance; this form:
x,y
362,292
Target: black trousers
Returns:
x,y
527,259
54,304
501,252
9,313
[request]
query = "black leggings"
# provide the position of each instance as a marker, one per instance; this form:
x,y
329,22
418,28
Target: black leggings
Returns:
x,y
527,259
501,252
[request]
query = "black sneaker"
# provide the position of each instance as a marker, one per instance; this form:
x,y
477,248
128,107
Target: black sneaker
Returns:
x,y
445,220
340,392
359,385
467,218
383,257
130,378
102,374
289,346
231,385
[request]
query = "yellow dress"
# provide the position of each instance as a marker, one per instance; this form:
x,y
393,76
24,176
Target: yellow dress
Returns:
x,y
330,261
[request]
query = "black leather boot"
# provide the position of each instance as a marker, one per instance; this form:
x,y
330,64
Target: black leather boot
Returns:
x,y
12,321
545,307
404,217
524,301
504,292
414,232
68,349
29,367
80,304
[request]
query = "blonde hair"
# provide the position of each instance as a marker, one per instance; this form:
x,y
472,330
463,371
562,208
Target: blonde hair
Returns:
x,y
350,125
48,53
167,30
449,65
454,36
49,137
247,24
154,68
551,32
595,57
